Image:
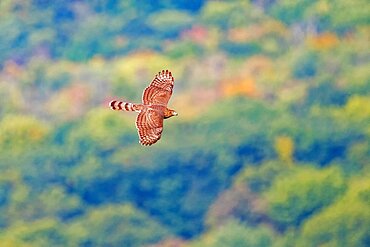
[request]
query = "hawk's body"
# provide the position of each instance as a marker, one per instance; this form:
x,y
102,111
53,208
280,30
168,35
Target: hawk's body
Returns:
x,y
153,110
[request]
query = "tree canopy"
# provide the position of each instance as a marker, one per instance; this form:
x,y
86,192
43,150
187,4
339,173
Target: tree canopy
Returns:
x,y
271,146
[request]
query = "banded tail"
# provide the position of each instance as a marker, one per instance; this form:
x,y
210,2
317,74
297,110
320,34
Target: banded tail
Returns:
x,y
124,106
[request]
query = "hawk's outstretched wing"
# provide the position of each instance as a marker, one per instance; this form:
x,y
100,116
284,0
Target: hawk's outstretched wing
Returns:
x,y
149,124
159,90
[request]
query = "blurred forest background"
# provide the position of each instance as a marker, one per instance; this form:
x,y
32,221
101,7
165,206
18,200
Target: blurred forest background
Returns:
x,y
271,146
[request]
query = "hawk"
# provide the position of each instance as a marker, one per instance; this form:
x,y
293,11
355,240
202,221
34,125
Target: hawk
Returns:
x,y
153,110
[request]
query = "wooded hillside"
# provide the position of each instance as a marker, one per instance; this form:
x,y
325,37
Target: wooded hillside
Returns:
x,y
270,148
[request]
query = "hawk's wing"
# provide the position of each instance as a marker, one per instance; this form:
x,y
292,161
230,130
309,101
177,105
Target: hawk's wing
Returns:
x,y
149,124
159,90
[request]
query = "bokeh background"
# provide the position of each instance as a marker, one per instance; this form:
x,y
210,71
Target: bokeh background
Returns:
x,y
271,146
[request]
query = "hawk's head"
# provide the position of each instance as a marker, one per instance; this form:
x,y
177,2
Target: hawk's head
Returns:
x,y
169,113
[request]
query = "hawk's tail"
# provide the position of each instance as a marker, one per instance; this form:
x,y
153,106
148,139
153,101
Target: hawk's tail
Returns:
x,y
124,106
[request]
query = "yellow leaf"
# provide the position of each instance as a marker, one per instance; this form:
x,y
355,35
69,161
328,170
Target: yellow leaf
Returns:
x,y
284,146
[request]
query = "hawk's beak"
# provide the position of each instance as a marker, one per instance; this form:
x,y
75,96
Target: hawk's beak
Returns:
x,y
175,113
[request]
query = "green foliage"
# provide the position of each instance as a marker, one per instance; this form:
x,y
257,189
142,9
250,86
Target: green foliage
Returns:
x,y
240,49
236,235
87,42
19,132
360,81
305,66
56,201
326,94
224,13
10,99
216,12
355,16
42,233
46,78
290,11
357,157
261,177
116,225
302,193
344,223
184,49
92,132
170,22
